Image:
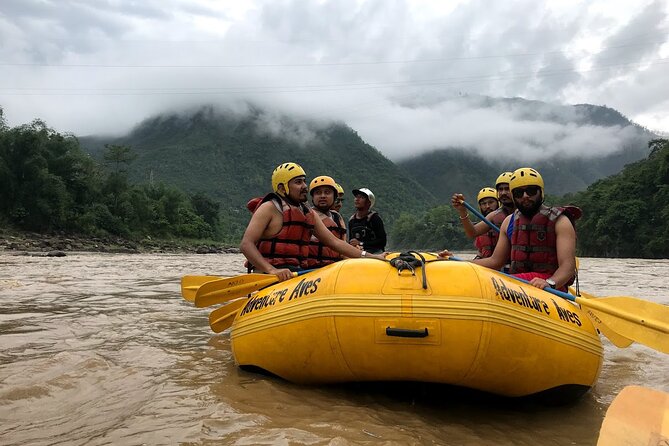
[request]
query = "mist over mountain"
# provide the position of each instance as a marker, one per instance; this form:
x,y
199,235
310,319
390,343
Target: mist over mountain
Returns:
x,y
582,144
229,153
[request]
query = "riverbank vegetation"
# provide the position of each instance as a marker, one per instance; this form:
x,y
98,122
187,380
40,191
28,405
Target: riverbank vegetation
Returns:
x,y
624,215
49,186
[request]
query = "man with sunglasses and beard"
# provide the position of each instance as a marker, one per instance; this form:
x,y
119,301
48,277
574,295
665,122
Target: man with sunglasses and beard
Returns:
x,y
540,241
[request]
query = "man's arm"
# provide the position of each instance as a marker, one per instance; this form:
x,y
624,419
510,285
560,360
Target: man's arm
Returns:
x,y
502,252
260,220
471,230
327,238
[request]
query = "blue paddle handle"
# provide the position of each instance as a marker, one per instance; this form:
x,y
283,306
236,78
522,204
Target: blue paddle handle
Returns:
x,y
558,293
480,216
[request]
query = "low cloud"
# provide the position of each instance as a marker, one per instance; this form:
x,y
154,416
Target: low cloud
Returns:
x,y
496,128
407,76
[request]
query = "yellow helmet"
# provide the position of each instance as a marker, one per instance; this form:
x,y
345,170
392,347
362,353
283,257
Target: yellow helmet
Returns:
x,y
284,173
323,180
340,190
486,192
526,176
504,177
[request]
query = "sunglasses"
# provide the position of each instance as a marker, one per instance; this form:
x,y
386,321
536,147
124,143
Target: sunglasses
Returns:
x,y
531,191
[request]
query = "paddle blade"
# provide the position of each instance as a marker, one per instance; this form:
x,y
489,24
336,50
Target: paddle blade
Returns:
x,y
190,284
222,318
224,290
640,320
616,338
636,416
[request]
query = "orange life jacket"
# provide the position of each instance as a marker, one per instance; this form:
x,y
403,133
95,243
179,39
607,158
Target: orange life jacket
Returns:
x,y
290,247
320,254
533,241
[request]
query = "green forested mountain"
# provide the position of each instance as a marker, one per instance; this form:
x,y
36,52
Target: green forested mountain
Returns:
x,y
133,184
49,184
626,214
231,157
452,169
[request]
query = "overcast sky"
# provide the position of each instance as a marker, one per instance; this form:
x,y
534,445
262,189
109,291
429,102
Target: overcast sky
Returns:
x,y
407,75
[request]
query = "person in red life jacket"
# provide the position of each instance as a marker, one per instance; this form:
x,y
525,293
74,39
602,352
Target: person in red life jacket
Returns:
x,y
339,200
323,191
497,217
276,240
539,240
485,243
365,227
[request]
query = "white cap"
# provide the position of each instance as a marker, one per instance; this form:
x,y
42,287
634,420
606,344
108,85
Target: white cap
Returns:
x,y
368,193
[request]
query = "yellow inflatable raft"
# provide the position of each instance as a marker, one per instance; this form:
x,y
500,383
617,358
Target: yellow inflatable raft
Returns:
x,y
444,322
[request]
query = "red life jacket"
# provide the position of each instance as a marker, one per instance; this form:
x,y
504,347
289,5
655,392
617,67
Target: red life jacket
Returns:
x,y
533,242
290,247
254,203
485,244
320,254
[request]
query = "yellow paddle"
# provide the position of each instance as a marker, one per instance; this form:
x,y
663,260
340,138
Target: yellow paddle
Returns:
x,y
224,290
222,318
190,284
637,416
616,338
644,322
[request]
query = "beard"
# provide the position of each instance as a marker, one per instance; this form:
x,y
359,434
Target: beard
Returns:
x,y
296,200
507,202
529,211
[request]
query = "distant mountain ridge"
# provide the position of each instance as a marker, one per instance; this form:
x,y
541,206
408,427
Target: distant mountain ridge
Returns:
x,y
452,169
230,155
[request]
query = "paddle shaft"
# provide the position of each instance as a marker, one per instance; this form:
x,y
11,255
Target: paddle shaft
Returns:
x,y
480,215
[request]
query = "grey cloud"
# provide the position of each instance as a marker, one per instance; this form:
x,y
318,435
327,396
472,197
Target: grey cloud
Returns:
x,y
639,39
557,73
399,107
531,130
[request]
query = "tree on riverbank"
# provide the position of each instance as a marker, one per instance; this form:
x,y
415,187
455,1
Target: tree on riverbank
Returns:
x,y
626,215
49,184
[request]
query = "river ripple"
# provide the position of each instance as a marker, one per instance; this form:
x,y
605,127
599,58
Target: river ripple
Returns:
x,y
100,349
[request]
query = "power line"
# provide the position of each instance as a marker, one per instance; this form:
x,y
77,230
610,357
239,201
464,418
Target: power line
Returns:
x,y
154,91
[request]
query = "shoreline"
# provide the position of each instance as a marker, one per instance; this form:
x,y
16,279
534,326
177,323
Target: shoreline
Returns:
x,y
58,245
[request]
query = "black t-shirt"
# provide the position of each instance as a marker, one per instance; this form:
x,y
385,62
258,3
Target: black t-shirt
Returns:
x,y
369,231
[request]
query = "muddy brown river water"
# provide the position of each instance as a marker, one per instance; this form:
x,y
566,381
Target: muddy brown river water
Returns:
x,y
101,349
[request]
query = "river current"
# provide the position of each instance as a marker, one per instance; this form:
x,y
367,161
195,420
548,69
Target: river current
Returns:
x,y
101,349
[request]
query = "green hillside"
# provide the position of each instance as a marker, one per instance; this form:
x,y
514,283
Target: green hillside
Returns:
x,y
626,215
231,157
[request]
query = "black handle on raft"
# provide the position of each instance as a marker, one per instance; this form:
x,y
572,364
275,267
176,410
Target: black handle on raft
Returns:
x,y
406,332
